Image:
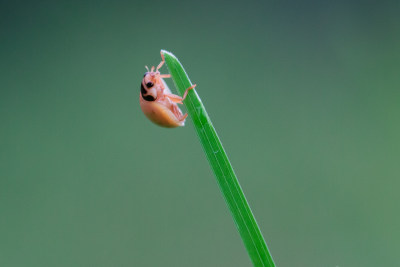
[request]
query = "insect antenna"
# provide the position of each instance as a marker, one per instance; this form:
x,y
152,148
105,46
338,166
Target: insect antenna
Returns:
x,y
147,68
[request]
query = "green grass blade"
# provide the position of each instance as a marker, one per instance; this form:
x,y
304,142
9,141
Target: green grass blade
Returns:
x,y
226,178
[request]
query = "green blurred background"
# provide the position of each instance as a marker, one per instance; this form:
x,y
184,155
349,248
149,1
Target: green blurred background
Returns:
x,y
304,95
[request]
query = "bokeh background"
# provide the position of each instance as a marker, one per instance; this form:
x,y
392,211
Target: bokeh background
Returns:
x,y
304,95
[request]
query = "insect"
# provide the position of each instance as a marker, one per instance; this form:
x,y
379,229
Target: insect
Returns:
x,y
157,102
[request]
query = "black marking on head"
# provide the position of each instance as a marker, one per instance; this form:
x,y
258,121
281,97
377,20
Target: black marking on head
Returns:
x,y
143,91
148,98
149,84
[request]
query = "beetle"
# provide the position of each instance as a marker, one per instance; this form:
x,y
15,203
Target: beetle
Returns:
x,y
156,100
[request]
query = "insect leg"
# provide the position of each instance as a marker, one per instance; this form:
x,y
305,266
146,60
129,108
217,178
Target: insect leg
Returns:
x,y
187,91
162,62
174,98
184,117
177,98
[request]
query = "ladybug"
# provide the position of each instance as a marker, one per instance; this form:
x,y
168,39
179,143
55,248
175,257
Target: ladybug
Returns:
x,y
157,102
